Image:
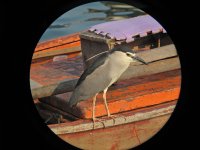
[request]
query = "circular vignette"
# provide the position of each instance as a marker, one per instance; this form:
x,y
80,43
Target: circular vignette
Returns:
x,y
53,62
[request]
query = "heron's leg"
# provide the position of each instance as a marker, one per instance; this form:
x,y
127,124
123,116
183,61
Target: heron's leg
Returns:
x,y
93,112
106,105
105,102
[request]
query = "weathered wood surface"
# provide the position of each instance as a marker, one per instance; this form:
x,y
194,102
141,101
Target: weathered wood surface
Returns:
x,y
94,37
90,49
57,42
126,95
53,52
53,89
158,53
123,118
62,45
122,137
68,85
51,117
92,44
50,108
160,60
152,68
128,29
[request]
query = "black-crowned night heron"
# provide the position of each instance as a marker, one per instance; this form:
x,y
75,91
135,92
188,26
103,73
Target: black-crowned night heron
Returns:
x,y
101,74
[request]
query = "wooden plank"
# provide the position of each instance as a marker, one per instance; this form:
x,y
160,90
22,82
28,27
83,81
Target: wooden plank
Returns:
x,y
148,55
122,137
90,49
50,117
53,52
92,44
136,70
56,110
95,37
156,54
127,117
53,89
130,97
126,95
58,42
132,71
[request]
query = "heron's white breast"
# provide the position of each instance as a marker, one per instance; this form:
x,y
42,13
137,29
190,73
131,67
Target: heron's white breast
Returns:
x,y
117,64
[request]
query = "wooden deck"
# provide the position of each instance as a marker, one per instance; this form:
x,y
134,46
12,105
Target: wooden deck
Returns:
x,y
62,45
126,136
56,77
134,128
125,95
140,86
142,100
82,125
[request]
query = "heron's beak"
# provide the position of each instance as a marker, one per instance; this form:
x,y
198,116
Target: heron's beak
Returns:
x,y
140,60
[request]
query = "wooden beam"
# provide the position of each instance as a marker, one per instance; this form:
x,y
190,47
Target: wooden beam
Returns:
x,y
126,95
92,44
95,37
128,117
121,137
48,53
152,68
53,89
133,71
58,111
156,54
58,42
160,60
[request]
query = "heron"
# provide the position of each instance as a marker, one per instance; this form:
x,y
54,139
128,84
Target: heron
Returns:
x,y
101,74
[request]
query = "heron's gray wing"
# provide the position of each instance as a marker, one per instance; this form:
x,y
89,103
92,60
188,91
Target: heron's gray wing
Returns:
x,y
98,62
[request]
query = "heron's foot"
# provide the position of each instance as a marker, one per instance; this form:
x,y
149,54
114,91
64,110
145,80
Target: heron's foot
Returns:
x,y
113,117
98,120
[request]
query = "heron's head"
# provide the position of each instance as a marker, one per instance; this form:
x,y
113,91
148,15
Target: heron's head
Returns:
x,y
130,54
133,57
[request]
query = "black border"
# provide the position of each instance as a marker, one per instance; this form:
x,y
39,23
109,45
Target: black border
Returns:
x,y
23,25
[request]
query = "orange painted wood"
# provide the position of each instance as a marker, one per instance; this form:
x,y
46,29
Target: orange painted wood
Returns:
x,y
58,42
124,136
82,125
60,47
134,97
50,72
126,95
